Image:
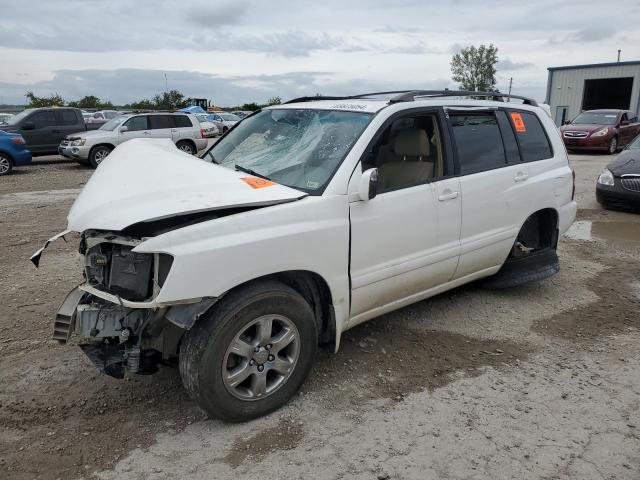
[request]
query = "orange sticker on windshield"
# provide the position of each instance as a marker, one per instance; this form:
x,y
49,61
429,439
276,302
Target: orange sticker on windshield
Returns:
x,y
518,122
255,182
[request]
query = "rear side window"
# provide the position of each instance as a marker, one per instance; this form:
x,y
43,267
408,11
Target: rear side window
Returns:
x,y
160,121
69,117
44,119
182,121
478,141
533,141
508,139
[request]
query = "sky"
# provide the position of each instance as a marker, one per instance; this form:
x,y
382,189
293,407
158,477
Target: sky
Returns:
x,y
233,52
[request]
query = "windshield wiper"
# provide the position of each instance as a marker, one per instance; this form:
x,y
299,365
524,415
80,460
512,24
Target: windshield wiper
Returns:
x,y
250,172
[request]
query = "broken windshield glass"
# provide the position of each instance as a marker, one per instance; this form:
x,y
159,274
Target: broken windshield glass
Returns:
x,y
300,148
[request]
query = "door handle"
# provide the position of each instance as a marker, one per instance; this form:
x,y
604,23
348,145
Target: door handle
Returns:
x,y
448,195
520,177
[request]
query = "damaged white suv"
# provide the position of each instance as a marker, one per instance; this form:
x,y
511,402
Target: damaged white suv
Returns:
x,y
304,220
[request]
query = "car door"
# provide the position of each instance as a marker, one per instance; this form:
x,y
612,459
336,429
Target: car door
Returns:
x,y
624,130
405,241
182,128
161,126
135,127
634,125
44,136
70,122
495,192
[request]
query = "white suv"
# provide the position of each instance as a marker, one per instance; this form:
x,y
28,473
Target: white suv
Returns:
x,y
93,146
310,217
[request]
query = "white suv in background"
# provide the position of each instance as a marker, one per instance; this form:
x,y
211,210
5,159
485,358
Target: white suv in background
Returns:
x,y
303,221
93,146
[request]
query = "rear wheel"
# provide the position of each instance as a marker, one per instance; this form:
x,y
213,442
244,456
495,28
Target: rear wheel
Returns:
x,y
6,164
98,154
251,352
186,147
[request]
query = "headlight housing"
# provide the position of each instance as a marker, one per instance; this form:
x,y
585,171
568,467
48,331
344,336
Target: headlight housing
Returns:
x,y
78,142
606,178
600,133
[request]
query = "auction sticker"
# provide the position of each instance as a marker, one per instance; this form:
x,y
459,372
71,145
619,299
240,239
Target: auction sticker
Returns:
x,y
518,122
255,182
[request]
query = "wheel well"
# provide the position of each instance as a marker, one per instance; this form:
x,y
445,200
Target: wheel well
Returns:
x,y
102,145
187,140
7,154
315,291
539,231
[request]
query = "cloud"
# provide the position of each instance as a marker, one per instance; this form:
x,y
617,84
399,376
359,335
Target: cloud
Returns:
x,y
584,35
507,64
215,16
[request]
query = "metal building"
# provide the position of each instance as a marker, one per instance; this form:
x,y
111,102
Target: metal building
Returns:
x,y
572,89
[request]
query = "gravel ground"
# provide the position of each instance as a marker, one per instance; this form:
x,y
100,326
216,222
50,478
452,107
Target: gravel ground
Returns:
x,y
541,381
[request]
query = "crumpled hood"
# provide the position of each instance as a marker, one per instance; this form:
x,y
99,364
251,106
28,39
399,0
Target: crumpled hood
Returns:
x,y
150,179
628,162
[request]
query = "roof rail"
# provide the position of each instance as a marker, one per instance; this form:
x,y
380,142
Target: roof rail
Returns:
x,y
498,96
315,97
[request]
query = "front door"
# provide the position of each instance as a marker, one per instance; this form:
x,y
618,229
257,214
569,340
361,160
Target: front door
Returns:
x,y
404,241
44,137
136,127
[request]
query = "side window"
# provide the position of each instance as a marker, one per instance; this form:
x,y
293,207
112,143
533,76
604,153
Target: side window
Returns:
x,y
408,153
533,141
69,117
44,119
478,140
160,121
633,118
182,121
508,139
136,124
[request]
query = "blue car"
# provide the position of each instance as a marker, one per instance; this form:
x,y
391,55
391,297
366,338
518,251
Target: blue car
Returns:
x,y
13,152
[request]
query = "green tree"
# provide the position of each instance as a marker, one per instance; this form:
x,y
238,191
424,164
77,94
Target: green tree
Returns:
x,y
252,107
274,101
90,101
54,100
475,68
141,105
170,100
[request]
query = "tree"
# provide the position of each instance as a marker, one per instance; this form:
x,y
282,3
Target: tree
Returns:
x,y
475,68
252,107
90,101
170,100
50,101
274,101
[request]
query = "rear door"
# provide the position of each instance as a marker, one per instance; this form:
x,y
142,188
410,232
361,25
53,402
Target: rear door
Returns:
x,y
161,126
182,128
493,183
70,122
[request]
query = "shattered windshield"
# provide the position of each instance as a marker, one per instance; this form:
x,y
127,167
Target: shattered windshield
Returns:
x,y
300,148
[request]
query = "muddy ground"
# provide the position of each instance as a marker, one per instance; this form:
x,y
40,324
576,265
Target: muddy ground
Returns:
x,y
541,381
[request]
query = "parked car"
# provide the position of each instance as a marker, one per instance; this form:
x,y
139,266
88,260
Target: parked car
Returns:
x,y
227,120
618,185
241,114
4,117
44,128
600,130
209,128
13,152
94,146
303,221
95,119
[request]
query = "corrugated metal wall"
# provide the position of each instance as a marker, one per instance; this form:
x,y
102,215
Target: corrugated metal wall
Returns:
x,y
567,86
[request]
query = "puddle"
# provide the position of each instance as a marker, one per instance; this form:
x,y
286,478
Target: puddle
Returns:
x,y
608,231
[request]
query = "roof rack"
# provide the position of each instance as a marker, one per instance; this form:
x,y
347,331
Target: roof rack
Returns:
x,y
410,95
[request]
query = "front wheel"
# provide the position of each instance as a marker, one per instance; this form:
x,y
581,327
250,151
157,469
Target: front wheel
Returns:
x,y
98,154
251,352
613,146
6,164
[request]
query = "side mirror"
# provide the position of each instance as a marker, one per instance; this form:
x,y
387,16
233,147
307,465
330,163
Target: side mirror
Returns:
x,y
123,129
28,126
368,186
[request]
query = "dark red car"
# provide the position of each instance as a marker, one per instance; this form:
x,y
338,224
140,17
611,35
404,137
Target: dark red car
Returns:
x,y
600,130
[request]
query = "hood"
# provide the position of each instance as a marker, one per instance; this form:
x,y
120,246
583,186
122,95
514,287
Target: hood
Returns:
x,y
583,128
92,134
628,162
150,179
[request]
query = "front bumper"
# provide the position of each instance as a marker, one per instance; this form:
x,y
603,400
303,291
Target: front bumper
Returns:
x,y
74,153
589,143
616,197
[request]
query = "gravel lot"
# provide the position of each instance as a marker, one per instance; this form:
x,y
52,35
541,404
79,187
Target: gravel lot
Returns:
x,y
541,381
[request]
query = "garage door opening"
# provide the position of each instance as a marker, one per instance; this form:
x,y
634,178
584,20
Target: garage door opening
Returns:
x,y
607,93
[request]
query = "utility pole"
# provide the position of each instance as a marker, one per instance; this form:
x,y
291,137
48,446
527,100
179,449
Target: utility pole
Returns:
x,y
166,85
619,55
510,84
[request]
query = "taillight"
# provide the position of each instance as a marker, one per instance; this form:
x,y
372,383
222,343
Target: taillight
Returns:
x,y
18,140
573,190
202,133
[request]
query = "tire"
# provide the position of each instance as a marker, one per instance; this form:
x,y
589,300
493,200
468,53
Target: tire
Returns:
x,y
224,130
613,146
186,147
6,164
208,357
518,271
98,154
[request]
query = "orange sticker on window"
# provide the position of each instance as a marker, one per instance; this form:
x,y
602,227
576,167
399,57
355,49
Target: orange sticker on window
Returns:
x,y
518,122
255,182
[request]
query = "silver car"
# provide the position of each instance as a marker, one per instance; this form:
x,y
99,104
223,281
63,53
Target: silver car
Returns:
x,y
227,120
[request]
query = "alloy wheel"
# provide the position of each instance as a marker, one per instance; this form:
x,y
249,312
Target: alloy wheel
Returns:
x,y
101,155
261,357
5,165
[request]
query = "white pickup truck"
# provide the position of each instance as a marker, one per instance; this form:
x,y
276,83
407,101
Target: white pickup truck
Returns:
x,y
304,220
